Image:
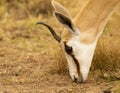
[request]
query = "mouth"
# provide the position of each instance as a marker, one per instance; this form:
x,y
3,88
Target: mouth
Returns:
x,y
78,80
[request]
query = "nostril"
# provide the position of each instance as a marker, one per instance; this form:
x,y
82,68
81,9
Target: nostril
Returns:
x,y
75,79
78,80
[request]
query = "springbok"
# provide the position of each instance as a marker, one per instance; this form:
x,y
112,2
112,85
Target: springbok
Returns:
x,y
83,32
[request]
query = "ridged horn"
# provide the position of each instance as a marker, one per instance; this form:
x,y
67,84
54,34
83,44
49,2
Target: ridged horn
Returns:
x,y
51,30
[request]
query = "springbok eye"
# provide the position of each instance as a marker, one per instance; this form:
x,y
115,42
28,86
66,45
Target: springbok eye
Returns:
x,y
68,49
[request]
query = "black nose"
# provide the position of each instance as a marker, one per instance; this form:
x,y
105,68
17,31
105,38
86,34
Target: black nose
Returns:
x,y
78,80
75,79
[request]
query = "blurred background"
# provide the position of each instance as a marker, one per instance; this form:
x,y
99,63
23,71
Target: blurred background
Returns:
x,y
29,54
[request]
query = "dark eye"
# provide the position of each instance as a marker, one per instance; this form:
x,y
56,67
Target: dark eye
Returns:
x,y
68,49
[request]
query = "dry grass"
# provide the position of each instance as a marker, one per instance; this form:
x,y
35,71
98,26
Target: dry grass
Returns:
x,y
107,54
31,61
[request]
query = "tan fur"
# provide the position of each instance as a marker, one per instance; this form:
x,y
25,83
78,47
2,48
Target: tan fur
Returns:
x,y
80,38
93,18
66,36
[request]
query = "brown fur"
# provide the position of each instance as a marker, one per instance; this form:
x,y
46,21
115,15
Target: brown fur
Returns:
x,y
93,18
66,36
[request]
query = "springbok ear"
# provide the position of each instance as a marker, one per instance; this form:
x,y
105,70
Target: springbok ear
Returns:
x,y
59,8
65,21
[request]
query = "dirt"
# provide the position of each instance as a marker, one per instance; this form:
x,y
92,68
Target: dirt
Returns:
x,y
30,62
23,71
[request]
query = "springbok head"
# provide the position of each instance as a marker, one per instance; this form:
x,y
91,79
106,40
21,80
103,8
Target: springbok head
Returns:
x,y
78,45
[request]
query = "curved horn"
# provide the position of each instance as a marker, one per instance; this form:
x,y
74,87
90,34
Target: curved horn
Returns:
x,y
51,30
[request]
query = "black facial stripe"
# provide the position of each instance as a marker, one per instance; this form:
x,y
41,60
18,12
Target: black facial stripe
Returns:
x,y
77,64
70,52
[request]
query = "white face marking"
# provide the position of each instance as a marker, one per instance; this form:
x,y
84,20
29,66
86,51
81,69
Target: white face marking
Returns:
x,y
84,54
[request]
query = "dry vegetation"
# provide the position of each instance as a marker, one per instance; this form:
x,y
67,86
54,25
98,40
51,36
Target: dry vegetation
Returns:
x,y
31,61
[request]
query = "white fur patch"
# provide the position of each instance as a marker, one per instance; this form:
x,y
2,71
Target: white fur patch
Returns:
x,y
84,54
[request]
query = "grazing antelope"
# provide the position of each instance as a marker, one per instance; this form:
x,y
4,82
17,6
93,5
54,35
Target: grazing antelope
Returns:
x,y
83,32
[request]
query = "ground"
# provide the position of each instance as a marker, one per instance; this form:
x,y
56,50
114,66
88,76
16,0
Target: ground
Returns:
x,y
31,61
